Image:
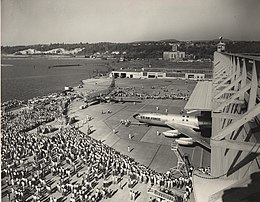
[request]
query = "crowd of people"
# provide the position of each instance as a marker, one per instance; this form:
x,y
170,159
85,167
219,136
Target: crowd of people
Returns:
x,y
159,94
204,170
11,104
31,161
31,115
69,153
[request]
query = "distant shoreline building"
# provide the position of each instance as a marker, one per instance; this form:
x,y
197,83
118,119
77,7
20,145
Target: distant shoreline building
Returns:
x,y
184,74
174,55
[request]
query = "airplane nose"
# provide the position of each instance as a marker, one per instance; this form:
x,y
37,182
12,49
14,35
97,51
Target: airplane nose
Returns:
x,y
136,116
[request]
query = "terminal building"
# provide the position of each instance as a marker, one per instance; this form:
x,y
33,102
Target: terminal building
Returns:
x,y
233,101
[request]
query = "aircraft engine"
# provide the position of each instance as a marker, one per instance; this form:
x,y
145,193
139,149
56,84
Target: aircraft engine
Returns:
x,y
205,121
184,141
171,133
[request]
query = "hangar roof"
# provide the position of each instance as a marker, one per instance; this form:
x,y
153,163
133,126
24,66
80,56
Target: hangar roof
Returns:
x,y
204,186
200,98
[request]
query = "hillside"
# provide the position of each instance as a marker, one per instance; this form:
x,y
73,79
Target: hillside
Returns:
x,y
134,50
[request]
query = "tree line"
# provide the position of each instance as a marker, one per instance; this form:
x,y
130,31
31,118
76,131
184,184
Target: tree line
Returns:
x,y
150,49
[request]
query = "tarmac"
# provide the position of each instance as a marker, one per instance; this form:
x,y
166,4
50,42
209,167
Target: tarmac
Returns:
x,y
147,147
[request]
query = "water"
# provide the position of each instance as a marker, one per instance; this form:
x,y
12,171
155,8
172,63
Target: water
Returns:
x,y
25,78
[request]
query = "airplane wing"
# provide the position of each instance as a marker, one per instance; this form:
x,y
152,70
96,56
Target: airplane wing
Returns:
x,y
196,136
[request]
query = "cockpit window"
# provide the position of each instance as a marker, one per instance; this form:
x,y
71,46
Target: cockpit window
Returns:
x,y
137,116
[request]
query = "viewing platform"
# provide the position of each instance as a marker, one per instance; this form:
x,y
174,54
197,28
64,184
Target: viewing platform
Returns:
x,y
235,115
235,141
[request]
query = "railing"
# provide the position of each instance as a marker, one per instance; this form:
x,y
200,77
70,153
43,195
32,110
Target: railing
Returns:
x,y
175,195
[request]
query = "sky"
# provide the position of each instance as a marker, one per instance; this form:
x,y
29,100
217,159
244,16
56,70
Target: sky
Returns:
x,y
27,22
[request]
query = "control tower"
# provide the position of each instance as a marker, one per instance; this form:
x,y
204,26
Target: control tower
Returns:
x,y
221,47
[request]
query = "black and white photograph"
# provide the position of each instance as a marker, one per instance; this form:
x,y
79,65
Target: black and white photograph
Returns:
x,y
130,100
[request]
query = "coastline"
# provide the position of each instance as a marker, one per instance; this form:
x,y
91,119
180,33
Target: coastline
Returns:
x,y
77,90
12,56
31,77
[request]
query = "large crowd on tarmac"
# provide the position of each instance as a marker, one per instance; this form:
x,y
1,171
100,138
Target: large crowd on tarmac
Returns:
x,y
10,104
36,167
159,93
34,114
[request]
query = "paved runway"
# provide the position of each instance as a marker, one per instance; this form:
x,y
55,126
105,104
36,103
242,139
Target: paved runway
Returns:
x,y
146,146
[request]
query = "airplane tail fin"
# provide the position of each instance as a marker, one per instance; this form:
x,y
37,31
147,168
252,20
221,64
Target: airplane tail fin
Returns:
x,y
113,83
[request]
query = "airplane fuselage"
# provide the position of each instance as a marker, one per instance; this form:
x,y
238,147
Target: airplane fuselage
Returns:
x,y
163,119
190,126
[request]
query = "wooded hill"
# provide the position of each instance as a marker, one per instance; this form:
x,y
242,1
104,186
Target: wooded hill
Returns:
x,y
144,49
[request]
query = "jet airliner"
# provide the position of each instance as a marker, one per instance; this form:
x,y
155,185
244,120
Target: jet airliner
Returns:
x,y
187,125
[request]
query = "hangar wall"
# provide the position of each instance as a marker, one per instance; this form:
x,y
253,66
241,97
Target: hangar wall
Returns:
x,y
235,147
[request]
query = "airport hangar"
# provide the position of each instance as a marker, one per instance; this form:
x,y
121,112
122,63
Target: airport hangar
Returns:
x,y
233,100
159,73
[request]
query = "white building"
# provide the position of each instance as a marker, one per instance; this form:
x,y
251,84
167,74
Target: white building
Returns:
x,y
156,75
174,54
194,76
168,55
127,74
